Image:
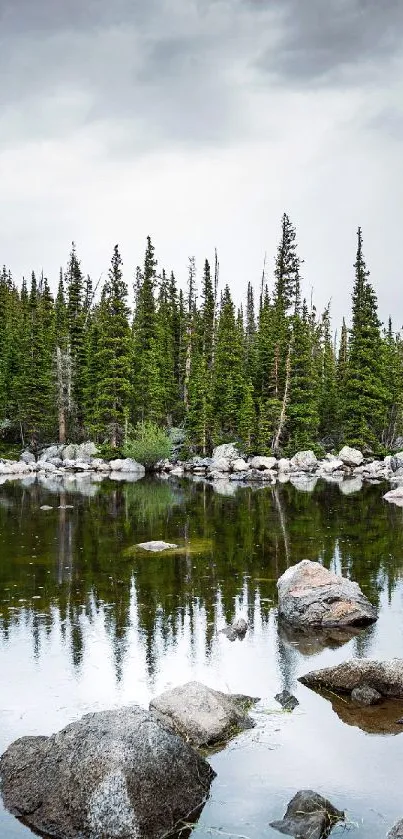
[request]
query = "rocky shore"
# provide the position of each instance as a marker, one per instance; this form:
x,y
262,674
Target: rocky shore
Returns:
x,y
226,469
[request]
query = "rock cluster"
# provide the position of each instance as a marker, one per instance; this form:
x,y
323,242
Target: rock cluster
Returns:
x,y
61,460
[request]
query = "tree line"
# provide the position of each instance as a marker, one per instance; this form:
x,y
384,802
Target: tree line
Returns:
x,y
270,373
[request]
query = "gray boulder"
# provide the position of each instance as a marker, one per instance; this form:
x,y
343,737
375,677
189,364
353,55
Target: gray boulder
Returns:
x,y
309,816
27,457
119,774
351,457
240,465
221,464
86,451
284,464
287,700
229,451
50,452
310,595
69,452
263,463
395,496
385,677
397,831
201,715
127,465
305,461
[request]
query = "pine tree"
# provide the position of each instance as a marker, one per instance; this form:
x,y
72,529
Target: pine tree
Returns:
x,y
229,375
113,357
303,416
76,339
365,397
329,393
148,396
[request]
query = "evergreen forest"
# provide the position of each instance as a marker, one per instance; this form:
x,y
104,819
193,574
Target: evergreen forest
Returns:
x,y
270,374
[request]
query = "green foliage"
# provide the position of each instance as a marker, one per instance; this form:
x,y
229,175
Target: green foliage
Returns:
x,y
148,444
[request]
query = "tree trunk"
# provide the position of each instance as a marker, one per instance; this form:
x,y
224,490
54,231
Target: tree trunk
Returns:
x,y
276,441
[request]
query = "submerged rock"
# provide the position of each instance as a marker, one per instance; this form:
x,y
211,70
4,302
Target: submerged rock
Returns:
x,y
308,816
385,677
365,695
119,774
156,547
201,715
310,595
287,700
395,496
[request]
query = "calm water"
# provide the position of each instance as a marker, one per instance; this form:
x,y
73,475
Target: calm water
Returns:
x,y
87,623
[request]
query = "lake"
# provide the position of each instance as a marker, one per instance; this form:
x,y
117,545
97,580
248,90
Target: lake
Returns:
x,y
88,622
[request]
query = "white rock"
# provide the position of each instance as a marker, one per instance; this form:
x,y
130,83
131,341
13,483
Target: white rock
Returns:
x,y
305,461
351,457
127,465
177,471
331,465
240,465
395,496
263,462
351,485
228,451
27,457
284,464
222,464
156,546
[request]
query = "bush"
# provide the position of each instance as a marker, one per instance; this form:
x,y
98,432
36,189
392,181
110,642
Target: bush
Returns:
x,y
148,445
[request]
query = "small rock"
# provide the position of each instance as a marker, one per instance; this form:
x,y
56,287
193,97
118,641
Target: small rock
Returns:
x,y
351,457
45,507
365,695
287,700
308,816
236,630
155,546
201,715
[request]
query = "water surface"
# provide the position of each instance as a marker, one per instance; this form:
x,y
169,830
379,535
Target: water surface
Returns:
x,y
87,623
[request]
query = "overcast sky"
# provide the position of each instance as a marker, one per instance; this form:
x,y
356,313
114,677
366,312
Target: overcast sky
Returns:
x,y
199,122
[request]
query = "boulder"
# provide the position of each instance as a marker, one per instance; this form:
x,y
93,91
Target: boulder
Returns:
x,y
155,546
69,452
27,457
286,700
330,466
86,451
119,774
308,816
386,677
351,457
228,451
126,465
100,465
201,715
284,464
305,461
397,831
236,630
395,496
50,452
240,465
221,464
310,595
351,485
263,463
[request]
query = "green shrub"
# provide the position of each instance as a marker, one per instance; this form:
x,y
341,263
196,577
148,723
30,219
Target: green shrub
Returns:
x,y
148,445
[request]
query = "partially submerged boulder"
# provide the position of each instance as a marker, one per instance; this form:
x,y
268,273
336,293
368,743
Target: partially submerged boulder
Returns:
x,y
385,677
286,700
156,546
236,630
395,496
119,774
261,463
127,465
308,816
366,696
310,595
201,715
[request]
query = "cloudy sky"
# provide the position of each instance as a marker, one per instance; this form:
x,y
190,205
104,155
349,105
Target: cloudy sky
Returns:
x,y
200,122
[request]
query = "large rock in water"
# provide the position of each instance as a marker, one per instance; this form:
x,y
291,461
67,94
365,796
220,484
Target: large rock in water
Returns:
x,y
201,715
385,677
310,595
117,774
397,831
308,816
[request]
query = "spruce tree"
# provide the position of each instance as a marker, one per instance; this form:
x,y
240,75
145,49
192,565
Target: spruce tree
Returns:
x,y
113,357
365,397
